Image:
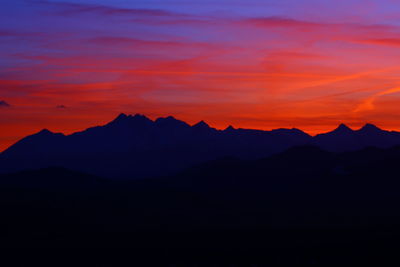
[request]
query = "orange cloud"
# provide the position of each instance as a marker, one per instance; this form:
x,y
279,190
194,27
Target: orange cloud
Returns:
x,y
368,103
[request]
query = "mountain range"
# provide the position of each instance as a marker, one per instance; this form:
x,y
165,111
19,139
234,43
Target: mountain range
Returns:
x,y
134,146
227,196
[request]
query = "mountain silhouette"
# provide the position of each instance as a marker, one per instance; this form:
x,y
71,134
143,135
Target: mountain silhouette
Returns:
x,y
345,139
134,146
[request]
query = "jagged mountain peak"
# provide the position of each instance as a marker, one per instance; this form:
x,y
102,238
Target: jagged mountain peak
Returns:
x,y
166,119
169,118
370,128
229,128
342,128
202,125
170,121
138,116
45,131
123,118
120,118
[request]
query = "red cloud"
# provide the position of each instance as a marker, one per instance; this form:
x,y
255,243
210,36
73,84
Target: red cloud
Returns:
x,y
382,41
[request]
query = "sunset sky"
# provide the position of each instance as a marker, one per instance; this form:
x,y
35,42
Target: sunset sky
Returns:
x,y
311,64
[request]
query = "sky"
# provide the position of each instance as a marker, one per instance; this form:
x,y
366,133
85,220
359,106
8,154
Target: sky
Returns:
x,y
311,64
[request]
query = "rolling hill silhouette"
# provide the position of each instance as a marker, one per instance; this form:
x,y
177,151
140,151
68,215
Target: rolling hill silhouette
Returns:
x,y
314,205
137,147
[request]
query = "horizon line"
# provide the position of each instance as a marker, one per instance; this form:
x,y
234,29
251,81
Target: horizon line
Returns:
x,y
127,115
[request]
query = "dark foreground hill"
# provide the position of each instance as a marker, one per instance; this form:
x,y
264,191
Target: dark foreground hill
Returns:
x,y
302,207
133,147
